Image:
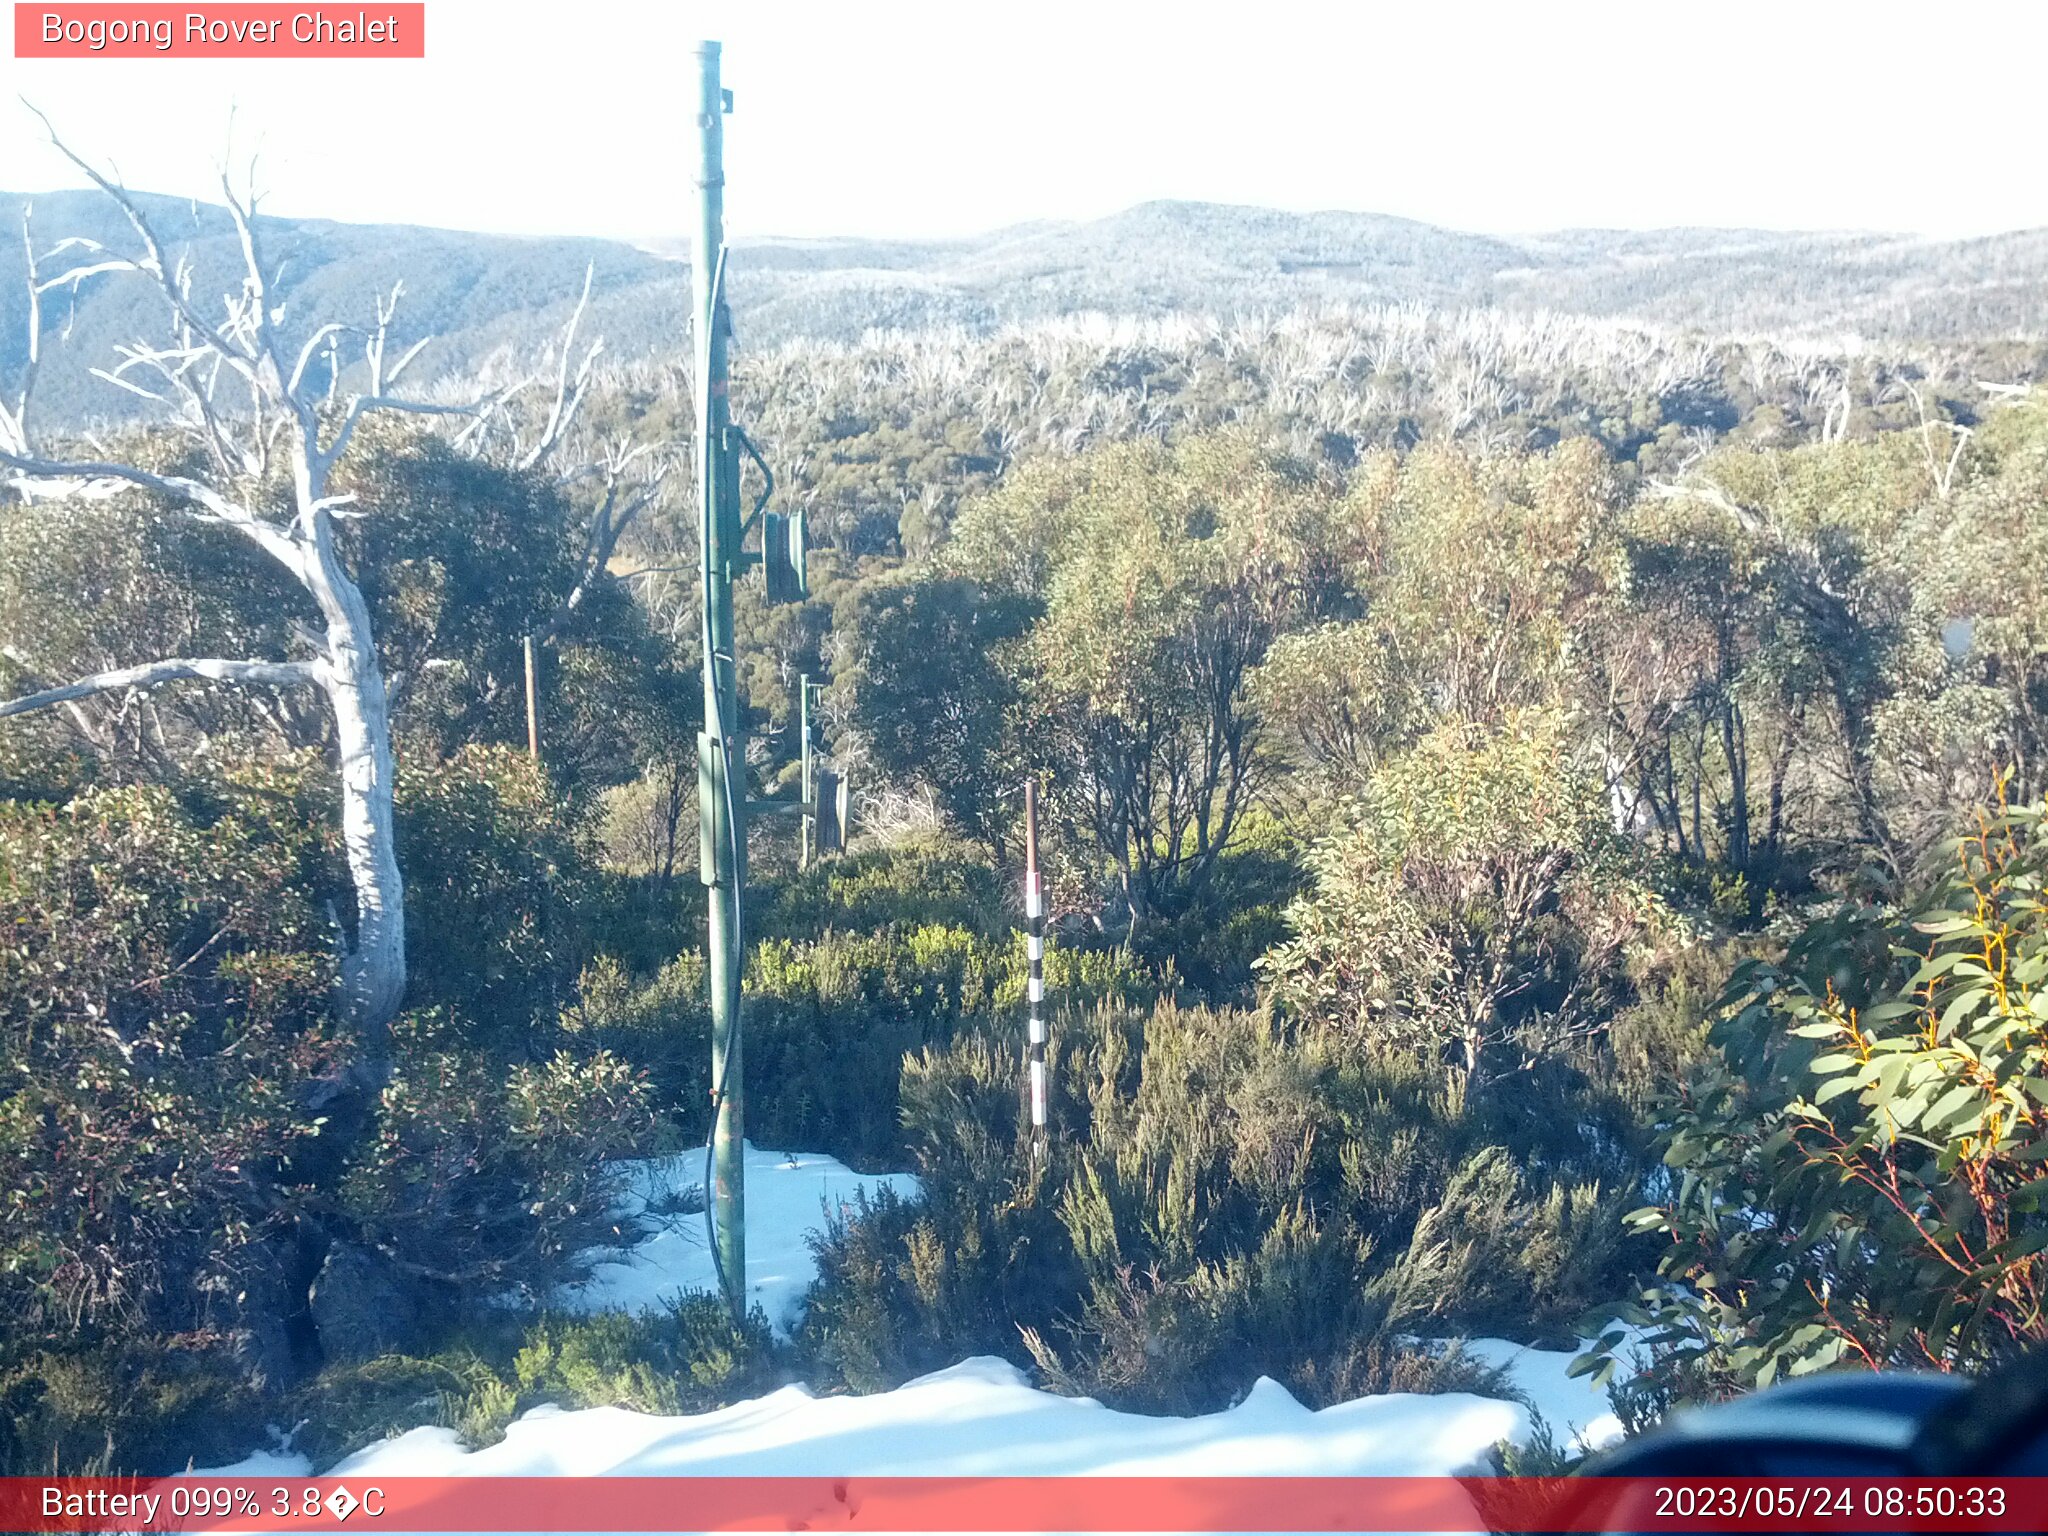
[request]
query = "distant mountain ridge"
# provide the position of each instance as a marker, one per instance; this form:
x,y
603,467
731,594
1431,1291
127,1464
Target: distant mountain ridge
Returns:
x,y
476,293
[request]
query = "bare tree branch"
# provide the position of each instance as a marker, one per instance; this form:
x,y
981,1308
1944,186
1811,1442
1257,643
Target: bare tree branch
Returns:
x,y
186,369
282,674
472,438
568,396
1943,474
360,406
1746,518
113,376
313,344
60,479
153,263
89,729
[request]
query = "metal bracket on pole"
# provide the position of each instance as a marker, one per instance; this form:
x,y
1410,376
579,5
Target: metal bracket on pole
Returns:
x,y
767,477
829,810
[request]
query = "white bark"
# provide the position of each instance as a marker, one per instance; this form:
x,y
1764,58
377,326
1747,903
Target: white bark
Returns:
x,y
373,971
347,670
272,409
149,675
185,371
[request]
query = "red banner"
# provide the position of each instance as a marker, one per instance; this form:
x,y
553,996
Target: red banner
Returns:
x,y
377,31
1017,1504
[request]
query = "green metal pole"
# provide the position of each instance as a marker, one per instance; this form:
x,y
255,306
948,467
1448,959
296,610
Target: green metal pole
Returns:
x,y
803,712
721,802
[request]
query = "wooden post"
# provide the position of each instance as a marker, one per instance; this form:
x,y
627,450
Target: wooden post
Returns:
x,y
1034,920
532,704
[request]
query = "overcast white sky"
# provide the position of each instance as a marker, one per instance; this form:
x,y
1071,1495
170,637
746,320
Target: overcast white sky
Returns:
x,y
907,118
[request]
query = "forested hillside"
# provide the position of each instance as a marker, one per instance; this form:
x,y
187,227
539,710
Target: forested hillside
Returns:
x,y
1541,817
476,294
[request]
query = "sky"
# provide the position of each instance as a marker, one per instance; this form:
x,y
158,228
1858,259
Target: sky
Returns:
x,y
922,120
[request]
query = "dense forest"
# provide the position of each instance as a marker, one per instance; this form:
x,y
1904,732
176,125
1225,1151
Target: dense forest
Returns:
x,y
1542,819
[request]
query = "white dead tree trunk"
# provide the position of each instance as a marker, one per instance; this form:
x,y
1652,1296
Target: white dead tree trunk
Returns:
x,y
1941,470
233,390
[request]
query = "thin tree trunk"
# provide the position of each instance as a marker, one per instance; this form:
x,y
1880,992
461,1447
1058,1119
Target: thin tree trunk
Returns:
x,y
1735,748
373,970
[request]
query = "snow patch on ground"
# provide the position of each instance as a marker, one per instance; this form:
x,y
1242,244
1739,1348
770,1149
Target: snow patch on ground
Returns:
x,y
981,1417
789,1196
261,1464
1576,1411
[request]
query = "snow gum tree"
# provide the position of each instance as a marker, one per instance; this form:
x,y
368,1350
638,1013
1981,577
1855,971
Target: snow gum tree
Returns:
x,y
251,436
243,403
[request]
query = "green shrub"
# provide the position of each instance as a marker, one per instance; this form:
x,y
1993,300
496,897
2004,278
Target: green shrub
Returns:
x,y
164,988
1858,1162
33,764
1214,939
910,1286
661,1024
916,883
493,874
685,1359
1228,1194
860,961
829,1023
1478,910
98,1406
166,1000
348,1407
484,1179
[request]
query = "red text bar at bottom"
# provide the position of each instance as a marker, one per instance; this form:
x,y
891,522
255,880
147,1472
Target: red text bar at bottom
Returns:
x,y
1021,1504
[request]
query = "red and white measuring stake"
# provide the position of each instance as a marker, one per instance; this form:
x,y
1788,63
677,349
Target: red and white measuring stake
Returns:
x,y
1034,925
